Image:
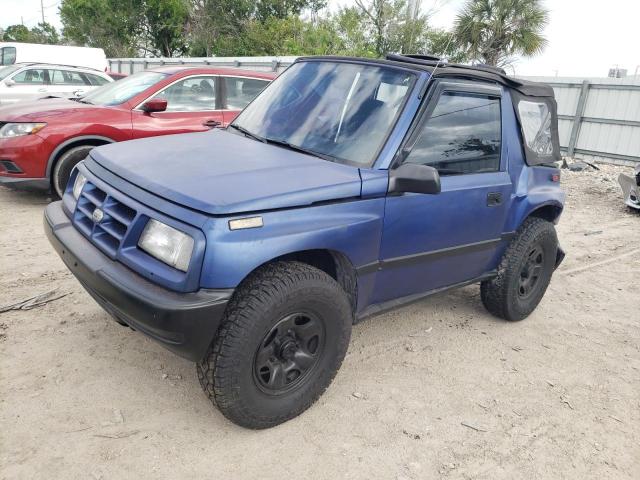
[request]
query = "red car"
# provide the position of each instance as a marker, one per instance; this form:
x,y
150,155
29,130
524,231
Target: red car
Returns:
x,y
41,141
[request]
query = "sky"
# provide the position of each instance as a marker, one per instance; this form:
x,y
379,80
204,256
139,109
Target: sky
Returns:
x,y
586,37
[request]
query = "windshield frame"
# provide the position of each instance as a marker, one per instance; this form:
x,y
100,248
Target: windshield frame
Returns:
x,y
355,61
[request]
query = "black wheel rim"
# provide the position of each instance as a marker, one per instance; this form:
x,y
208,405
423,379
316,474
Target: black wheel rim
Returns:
x,y
531,272
288,353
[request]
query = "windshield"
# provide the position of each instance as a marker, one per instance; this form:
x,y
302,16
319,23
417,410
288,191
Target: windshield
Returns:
x,y
6,71
118,92
339,110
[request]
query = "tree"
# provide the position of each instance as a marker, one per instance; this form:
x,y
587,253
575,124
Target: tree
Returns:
x,y
395,26
291,36
249,27
217,26
165,25
17,33
127,28
42,33
45,33
494,31
112,25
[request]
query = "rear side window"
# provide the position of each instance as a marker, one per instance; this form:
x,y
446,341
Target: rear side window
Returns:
x,y
240,91
7,55
31,76
461,136
66,77
535,118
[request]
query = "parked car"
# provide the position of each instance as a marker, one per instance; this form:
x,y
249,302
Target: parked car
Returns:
x,y
346,188
41,142
116,75
31,81
18,52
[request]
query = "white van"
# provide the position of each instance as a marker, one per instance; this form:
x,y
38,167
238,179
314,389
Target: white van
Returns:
x,y
13,52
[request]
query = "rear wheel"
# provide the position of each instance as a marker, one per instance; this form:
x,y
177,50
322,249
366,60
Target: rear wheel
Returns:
x,y
283,338
64,166
524,272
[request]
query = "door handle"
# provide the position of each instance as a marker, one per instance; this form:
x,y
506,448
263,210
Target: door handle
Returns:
x,y
42,89
212,123
494,199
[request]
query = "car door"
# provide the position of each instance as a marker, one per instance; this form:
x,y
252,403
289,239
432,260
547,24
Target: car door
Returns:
x,y
27,84
238,92
193,105
434,241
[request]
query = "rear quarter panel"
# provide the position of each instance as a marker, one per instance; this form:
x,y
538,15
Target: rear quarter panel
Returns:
x,y
533,187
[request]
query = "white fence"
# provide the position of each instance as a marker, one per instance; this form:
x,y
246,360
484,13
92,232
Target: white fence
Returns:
x,y
133,65
599,119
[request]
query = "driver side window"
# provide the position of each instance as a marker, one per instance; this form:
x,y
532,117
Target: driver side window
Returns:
x,y
194,94
461,136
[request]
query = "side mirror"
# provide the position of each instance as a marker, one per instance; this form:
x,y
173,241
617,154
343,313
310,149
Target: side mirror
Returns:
x,y
412,178
9,83
154,105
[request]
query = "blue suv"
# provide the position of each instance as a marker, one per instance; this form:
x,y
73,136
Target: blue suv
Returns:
x,y
346,188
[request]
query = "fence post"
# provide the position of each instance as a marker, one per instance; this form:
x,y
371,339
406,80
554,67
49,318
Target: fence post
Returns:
x,y
577,118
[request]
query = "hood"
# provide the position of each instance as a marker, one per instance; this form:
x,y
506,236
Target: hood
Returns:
x,y
223,173
40,110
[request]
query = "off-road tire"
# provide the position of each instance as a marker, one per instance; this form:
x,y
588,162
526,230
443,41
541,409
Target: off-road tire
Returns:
x,y
64,166
500,295
227,371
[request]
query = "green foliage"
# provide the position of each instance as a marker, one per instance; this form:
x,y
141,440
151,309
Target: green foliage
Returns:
x,y
488,31
494,31
165,25
113,25
43,33
127,28
17,33
290,36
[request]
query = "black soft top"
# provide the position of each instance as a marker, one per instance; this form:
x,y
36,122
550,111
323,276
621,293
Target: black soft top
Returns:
x,y
429,64
540,139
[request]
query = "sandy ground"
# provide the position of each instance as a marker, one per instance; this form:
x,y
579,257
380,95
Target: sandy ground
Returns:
x,y
439,389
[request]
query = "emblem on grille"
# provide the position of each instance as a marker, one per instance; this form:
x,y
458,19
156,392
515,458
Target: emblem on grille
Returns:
x,y
97,215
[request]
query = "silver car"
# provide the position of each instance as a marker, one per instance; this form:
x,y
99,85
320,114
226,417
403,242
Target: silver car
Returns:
x,y
30,81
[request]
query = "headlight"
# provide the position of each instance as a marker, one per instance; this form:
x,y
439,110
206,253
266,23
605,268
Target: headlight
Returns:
x,y
167,244
11,130
78,185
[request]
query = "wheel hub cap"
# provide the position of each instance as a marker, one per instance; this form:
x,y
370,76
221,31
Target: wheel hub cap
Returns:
x,y
288,353
530,272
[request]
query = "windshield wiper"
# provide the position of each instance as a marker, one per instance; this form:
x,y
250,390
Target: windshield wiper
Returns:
x,y
296,148
248,133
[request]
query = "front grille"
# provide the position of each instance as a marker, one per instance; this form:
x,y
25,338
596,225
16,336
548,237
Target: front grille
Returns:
x,y
108,232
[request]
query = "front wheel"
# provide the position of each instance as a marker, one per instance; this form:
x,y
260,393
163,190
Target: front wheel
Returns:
x,y
283,338
524,272
64,167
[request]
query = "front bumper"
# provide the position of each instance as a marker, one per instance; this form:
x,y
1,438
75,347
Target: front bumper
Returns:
x,y
184,323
